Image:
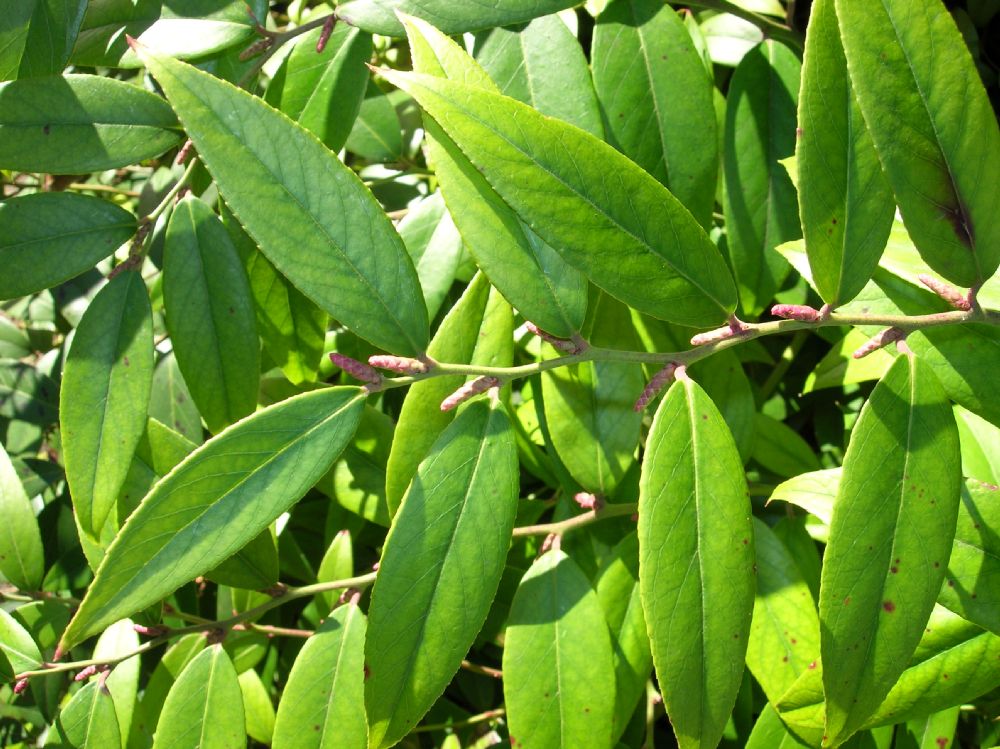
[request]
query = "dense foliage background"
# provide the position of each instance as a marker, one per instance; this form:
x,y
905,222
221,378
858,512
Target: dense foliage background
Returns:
x,y
528,372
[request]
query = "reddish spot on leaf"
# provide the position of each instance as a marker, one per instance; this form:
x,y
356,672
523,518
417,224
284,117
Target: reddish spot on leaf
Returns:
x,y
945,677
812,666
941,741
794,641
847,601
45,129
889,606
894,570
746,541
785,659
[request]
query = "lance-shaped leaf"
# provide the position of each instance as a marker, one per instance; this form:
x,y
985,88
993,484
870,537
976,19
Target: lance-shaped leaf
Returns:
x,y
618,593
933,127
972,583
323,92
204,708
292,328
784,633
421,419
589,407
760,202
48,238
18,650
559,679
440,568
38,36
210,315
81,123
88,719
434,243
890,538
657,99
845,200
526,270
696,556
320,706
22,558
216,500
379,16
105,394
123,682
164,676
770,733
543,65
309,214
601,212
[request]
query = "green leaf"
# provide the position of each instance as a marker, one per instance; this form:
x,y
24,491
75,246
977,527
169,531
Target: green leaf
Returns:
x,y
426,609
292,328
27,394
123,682
357,481
81,123
760,201
18,650
589,406
696,555
980,442
171,401
972,582
204,708
930,732
37,36
376,134
185,29
88,720
210,315
435,245
629,235
845,200
379,16
254,567
526,270
105,394
169,668
657,99
618,593
421,419
890,537
337,564
22,557
784,633
320,706
213,503
770,733
543,65
257,706
907,61
323,92
559,682
355,267
780,449
48,238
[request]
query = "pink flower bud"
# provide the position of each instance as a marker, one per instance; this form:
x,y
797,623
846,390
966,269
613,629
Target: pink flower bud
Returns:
x,y
356,369
182,155
734,328
469,389
324,35
879,340
655,385
142,629
403,364
20,685
85,673
946,291
586,500
799,312
562,344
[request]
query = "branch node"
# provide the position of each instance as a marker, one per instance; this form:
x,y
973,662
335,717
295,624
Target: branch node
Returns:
x,y
736,327
588,501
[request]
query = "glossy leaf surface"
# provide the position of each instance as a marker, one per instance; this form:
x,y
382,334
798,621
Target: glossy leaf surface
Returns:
x,y
845,200
760,202
47,238
81,123
379,16
319,707
210,315
22,558
426,610
309,214
696,555
936,147
890,537
542,65
204,708
557,660
221,496
626,234
105,395
529,273
657,99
